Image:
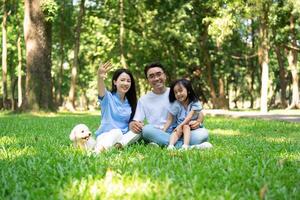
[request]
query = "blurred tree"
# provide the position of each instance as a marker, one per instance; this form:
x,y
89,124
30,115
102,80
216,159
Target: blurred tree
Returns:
x,y
292,60
220,45
71,100
4,55
63,41
37,32
263,10
122,30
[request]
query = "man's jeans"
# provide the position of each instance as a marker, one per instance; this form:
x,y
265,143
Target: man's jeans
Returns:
x,y
152,134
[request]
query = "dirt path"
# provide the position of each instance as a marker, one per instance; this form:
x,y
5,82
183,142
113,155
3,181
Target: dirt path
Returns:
x,y
281,115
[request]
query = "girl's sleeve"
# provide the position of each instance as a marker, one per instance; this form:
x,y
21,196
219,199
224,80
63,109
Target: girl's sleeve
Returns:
x,y
174,108
196,106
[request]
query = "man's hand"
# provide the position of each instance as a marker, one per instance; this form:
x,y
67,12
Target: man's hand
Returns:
x,y
136,126
194,124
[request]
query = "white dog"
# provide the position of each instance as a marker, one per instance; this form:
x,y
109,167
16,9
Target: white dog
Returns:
x,y
81,137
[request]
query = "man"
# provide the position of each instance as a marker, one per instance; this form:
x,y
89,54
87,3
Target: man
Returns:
x,y
153,107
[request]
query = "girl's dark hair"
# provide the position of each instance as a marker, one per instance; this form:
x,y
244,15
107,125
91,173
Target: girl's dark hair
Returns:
x,y
188,86
130,94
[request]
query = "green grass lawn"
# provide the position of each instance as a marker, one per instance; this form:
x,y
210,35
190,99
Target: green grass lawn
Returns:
x,y
250,159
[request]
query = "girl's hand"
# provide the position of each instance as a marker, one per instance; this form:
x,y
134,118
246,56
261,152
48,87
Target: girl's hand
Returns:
x,y
194,124
104,69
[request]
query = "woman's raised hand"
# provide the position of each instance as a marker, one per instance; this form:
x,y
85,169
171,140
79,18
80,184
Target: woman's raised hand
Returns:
x,y
104,69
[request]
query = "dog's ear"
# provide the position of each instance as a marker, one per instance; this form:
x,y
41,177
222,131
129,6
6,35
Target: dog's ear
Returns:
x,y
73,134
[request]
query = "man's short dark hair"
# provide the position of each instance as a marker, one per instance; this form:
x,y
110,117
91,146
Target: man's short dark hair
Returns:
x,y
152,65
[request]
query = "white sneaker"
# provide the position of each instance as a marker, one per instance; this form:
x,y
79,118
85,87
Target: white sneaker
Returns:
x,y
153,144
204,145
171,147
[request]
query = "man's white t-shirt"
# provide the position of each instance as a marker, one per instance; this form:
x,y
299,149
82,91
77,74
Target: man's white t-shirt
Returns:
x,y
154,108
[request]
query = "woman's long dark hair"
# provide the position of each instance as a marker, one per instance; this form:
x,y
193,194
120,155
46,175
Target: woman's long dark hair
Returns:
x,y
130,94
191,95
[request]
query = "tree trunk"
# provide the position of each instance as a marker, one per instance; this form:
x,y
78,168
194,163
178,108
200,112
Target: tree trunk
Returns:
x,y
4,57
221,88
264,59
20,96
122,32
62,55
207,63
13,84
292,59
84,101
71,103
252,66
37,33
222,102
282,76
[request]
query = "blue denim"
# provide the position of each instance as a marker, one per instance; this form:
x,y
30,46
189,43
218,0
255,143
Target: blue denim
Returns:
x,y
152,134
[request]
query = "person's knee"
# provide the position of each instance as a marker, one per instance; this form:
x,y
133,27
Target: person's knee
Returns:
x,y
198,136
147,130
204,135
205,132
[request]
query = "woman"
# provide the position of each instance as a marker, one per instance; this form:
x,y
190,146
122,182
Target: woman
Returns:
x,y
117,108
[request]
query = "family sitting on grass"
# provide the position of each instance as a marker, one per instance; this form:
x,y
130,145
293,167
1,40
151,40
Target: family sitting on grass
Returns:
x,y
174,115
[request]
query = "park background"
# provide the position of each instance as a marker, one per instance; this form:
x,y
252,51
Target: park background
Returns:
x,y
238,54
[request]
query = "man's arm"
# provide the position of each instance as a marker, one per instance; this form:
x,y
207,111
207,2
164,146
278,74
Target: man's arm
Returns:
x,y
136,126
194,124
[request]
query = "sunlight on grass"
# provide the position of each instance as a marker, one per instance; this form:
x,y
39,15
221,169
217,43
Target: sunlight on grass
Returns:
x,y
38,160
44,114
5,140
278,140
290,157
9,154
136,158
112,186
8,151
90,113
224,132
54,114
63,113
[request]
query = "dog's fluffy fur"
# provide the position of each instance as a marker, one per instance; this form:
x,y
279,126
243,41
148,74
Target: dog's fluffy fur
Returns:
x,y
81,137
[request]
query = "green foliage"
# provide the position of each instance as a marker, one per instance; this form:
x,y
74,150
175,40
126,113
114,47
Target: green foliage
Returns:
x,y
221,26
177,33
37,160
49,8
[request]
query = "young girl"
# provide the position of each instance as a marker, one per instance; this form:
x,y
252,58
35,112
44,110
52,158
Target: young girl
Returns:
x,y
184,108
117,108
